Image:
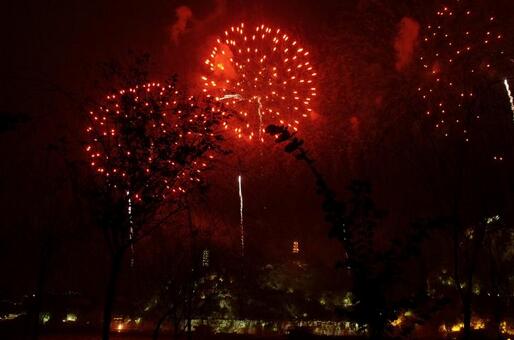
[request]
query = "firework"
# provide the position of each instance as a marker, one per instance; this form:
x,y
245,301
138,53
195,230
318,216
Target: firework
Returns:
x,y
461,51
150,143
149,140
509,94
264,75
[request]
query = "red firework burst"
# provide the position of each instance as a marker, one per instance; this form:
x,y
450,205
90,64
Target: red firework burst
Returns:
x,y
150,140
264,75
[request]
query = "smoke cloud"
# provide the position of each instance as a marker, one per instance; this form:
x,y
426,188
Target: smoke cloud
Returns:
x,y
186,22
184,15
405,42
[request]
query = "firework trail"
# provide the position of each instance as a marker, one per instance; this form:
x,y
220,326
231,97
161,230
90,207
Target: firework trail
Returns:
x,y
135,136
509,94
241,216
264,76
131,229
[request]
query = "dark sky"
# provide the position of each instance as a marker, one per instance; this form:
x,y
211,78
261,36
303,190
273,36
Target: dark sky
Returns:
x,y
366,126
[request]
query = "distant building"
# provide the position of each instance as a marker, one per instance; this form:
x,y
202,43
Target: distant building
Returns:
x,y
205,258
296,247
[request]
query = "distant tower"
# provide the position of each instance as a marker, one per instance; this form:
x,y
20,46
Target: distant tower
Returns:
x,y
205,258
296,247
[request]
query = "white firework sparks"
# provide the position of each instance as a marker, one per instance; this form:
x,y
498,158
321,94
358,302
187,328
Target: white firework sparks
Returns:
x,y
131,229
511,99
241,220
259,111
231,96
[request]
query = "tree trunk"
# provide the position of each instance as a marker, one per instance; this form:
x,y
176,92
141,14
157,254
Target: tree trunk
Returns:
x,y
468,293
497,316
177,329
190,291
498,310
189,316
116,264
38,298
466,303
157,329
467,316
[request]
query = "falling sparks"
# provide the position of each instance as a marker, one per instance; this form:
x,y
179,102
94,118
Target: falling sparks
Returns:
x,y
241,220
263,75
151,142
511,100
118,152
460,48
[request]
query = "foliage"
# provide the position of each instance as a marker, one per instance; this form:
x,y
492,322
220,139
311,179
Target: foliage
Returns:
x,y
150,144
354,224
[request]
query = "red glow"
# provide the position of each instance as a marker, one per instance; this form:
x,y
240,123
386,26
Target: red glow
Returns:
x,y
138,133
264,75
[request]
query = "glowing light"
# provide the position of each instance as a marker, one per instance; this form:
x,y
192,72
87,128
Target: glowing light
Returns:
x,y
506,328
459,53
263,75
398,322
10,316
169,121
476,324
70,317
511,99
457,327
296,247
45,317
148,143
492,219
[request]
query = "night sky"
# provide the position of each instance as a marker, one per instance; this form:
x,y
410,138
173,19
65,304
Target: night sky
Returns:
x,y
368,124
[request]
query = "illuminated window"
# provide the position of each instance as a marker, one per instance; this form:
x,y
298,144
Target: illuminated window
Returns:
x,y
205,258
296,247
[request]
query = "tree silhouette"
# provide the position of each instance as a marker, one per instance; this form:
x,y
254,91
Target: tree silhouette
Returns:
x,y
149,144
374,272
